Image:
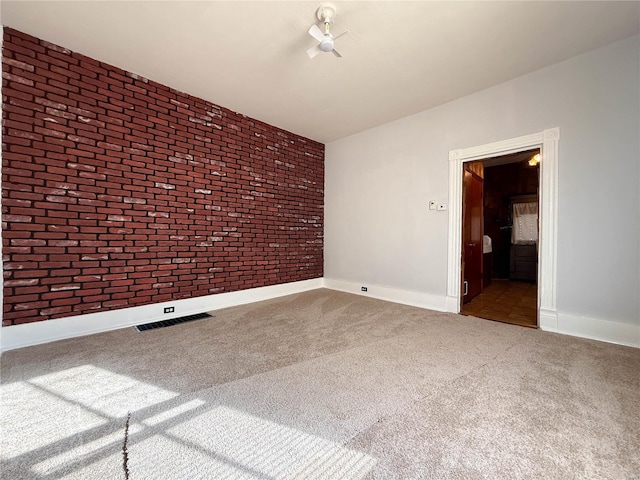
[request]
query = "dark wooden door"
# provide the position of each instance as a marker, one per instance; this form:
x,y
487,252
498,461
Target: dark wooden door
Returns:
x,y
472,231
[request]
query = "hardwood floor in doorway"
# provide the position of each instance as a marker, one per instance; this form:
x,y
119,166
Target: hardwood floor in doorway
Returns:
x,y
506,301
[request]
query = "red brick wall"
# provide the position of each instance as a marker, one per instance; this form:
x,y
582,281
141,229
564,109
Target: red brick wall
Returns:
x,y
118,191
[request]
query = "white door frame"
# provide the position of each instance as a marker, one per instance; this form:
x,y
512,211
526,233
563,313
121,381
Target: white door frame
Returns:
x,y
547,142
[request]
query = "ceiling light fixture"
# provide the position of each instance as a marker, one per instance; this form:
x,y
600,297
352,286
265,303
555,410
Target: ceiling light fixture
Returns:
x,y
326,13
535,160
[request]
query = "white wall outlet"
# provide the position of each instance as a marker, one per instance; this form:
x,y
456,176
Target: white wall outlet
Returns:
x,y
441,207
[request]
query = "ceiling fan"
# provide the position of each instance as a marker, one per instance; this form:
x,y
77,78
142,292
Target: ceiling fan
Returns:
x,y
326,13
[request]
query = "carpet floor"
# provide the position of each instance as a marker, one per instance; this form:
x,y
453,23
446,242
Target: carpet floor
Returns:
x,y
322,385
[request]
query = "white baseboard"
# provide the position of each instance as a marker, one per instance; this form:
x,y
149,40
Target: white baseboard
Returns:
x,y
594,329
23,335
453,304
406,297
17,336
548,320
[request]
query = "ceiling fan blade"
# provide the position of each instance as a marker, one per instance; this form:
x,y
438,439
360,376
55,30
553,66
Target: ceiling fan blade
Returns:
x,y
336,53
341,34
316,33
313,51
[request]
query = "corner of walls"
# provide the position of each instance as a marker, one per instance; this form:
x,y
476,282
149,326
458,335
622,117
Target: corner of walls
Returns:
x,y
35,333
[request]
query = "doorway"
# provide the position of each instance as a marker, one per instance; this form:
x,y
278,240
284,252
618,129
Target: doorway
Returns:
x,y
548,141
499,270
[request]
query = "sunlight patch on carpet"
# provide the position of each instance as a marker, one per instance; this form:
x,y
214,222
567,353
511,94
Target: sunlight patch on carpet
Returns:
x,y
173,412
102,391
227,443
61,407
32,419
82,453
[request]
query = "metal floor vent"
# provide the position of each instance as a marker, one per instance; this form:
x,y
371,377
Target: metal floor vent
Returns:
x,y
170,322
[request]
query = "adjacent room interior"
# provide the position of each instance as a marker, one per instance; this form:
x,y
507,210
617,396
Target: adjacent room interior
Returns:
x,y
348,240
500,237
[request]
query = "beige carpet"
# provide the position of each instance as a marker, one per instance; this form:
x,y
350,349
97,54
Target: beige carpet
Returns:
x,y
322,385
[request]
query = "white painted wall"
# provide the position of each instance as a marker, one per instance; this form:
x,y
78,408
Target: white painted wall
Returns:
x,y
379,231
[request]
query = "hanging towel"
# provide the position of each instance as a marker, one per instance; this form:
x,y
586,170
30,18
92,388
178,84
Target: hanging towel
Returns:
x,y
486,244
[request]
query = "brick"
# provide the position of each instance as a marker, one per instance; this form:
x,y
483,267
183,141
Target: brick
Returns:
x,y
119,191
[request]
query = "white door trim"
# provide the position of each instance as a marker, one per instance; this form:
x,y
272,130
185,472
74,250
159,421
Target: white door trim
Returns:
x,y
547,141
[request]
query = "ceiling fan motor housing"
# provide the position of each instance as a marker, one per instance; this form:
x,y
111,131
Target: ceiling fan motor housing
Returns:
x,y
326,13
326,45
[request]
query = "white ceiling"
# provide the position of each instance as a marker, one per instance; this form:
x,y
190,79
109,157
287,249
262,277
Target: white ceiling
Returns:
x,y
398,59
